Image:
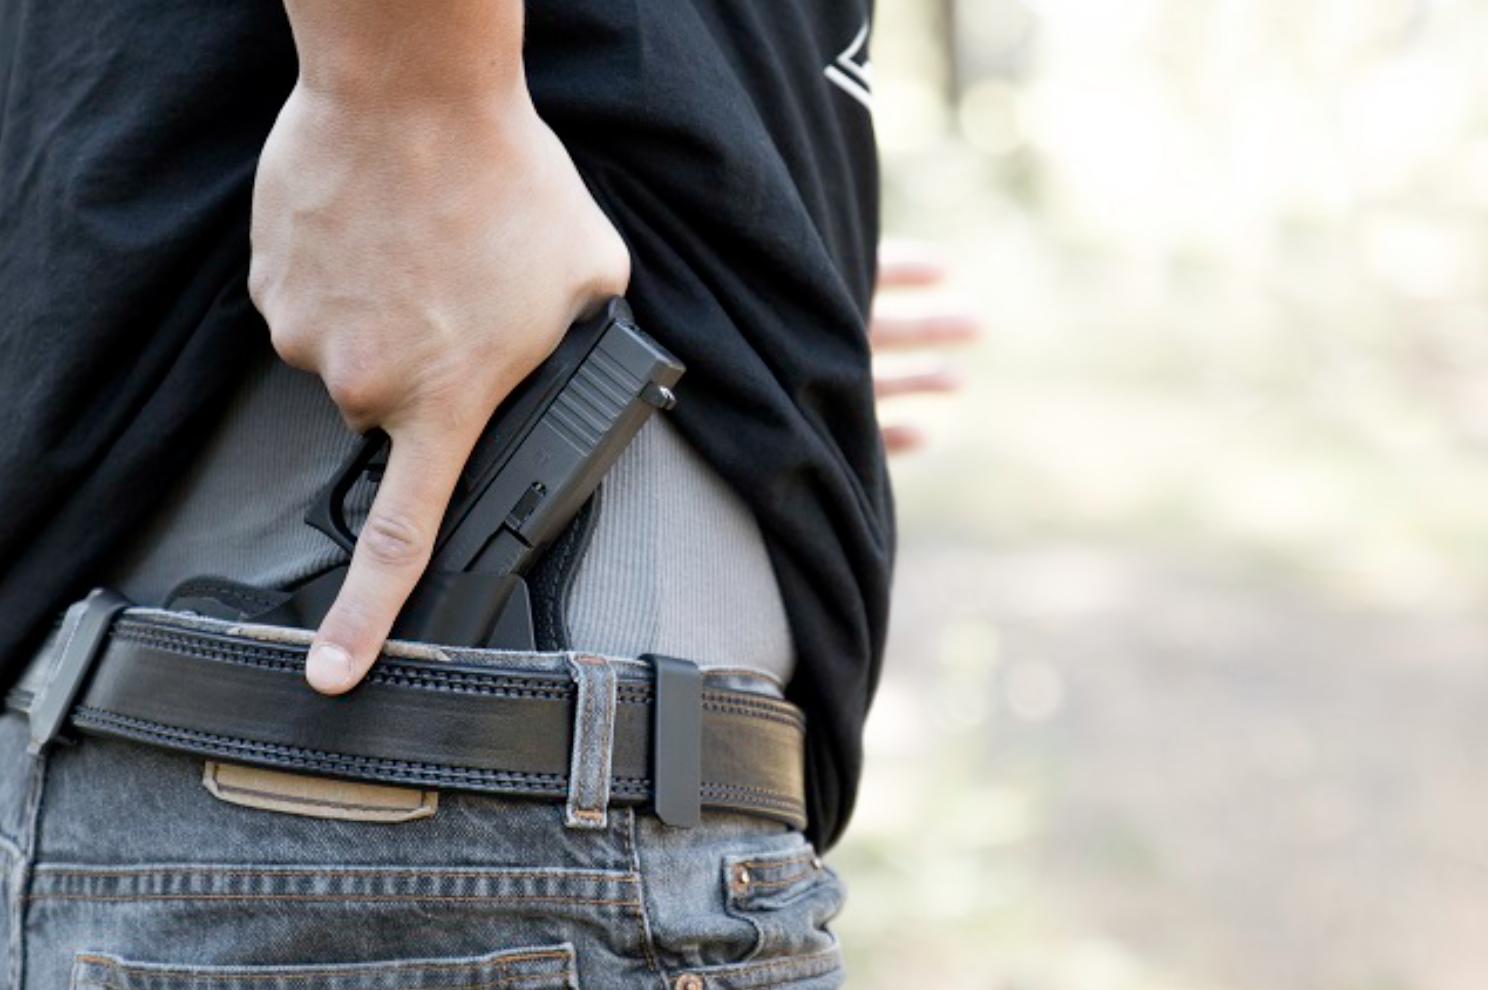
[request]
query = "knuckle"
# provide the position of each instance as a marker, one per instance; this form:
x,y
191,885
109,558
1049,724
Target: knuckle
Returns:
x,y
286,327
258,284
265,293
354,392
619,259
294,348
393,541
614,265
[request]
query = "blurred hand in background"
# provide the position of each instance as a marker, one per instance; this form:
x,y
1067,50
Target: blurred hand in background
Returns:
x,y
911,313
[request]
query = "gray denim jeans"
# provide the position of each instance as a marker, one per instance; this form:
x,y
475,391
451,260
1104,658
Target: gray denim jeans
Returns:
x,y
119,870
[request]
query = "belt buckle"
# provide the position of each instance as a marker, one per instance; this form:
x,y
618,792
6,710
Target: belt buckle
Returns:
x,y
84,631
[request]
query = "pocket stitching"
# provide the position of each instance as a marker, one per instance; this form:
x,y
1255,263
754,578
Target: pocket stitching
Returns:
x,y
783,882
371,872
800,968
393,966
753,902
504,981
742,897
561,958
454,898
219,882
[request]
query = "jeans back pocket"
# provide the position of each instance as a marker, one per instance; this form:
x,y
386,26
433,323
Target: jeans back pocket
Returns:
x,y
788,896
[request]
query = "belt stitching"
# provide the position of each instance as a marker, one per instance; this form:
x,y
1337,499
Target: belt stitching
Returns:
x,y
389,671
309,758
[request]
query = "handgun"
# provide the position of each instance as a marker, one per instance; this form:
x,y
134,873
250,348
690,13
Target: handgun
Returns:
x,y
539,459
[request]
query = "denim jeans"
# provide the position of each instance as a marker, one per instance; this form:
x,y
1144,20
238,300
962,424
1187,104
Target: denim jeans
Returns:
x,y
122,872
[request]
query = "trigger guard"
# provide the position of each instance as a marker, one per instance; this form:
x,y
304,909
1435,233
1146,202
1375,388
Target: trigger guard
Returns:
x,y
328,511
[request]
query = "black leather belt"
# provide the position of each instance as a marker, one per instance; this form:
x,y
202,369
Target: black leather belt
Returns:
x,y
681,742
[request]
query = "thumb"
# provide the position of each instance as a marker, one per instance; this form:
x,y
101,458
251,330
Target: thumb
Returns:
x,y
390,556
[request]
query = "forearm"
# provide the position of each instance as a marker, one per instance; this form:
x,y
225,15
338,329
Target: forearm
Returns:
x,y
395,52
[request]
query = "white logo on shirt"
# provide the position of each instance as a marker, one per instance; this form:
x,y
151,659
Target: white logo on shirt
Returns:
x,y
852,76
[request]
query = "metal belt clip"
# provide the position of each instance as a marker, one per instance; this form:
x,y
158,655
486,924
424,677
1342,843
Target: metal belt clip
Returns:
x,y
677,762
84,631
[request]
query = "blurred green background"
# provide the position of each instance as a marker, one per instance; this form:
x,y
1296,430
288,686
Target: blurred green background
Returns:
x,y
1186,684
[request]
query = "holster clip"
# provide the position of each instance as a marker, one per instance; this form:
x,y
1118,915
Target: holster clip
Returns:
x,y
85,629
677,742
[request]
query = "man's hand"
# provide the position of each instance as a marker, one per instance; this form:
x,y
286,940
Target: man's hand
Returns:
x,y
915,323
421,241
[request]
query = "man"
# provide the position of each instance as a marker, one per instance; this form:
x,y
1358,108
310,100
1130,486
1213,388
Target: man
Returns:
x,y
428,214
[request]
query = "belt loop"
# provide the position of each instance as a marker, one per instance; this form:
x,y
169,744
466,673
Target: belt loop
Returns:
x,y
593,742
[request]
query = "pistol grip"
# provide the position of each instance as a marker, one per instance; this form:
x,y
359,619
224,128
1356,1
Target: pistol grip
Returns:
x,y
469,608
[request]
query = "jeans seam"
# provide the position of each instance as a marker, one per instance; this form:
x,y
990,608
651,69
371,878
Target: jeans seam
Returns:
x,y
369,872
500,960
15,906
345,898
643,917
19,899
503,981
795,966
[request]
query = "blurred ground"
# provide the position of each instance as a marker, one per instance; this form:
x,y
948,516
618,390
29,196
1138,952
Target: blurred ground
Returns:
x,y
1099,769
1188,647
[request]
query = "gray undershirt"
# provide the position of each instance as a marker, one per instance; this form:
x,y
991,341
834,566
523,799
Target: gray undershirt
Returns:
x,y
676,564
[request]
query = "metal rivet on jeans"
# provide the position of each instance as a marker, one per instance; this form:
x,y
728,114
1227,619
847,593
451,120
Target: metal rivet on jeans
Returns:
x,y
741,878
688,981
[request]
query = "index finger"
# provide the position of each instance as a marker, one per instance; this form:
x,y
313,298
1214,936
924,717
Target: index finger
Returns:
x,y
391,554
909,264
951,323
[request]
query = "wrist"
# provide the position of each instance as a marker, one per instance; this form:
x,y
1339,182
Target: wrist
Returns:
x,y
373,56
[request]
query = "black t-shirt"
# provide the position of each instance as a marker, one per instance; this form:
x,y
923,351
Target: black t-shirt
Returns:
x,y
730,141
